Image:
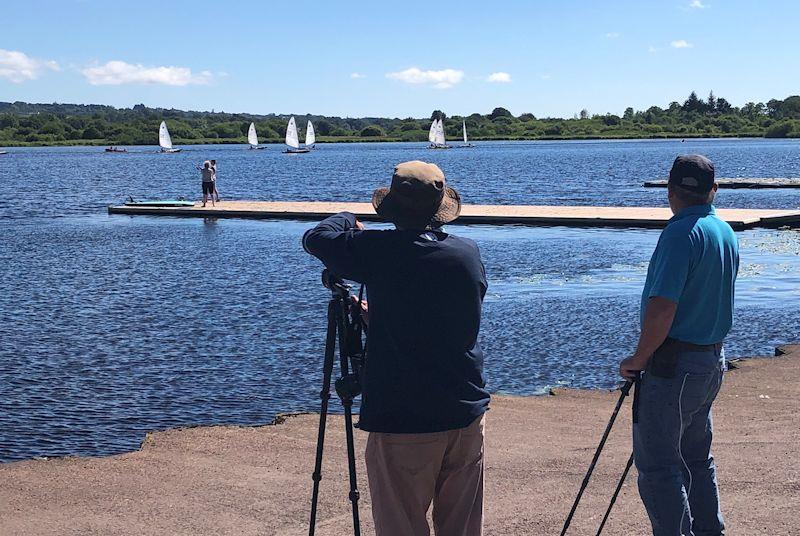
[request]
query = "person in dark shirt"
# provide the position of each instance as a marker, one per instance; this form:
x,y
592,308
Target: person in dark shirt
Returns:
x,y
424,394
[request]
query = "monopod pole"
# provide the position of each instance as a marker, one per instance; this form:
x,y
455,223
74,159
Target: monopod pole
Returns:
x,y
624,390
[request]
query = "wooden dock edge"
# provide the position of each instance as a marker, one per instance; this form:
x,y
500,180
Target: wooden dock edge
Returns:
x,y
780,218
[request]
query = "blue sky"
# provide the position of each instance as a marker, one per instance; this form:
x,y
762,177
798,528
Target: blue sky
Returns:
x,y
398,59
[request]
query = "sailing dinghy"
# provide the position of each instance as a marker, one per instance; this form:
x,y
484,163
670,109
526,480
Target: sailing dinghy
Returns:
x,y
311,137
164,140
438,136
252,137
432,133
466,143
292,141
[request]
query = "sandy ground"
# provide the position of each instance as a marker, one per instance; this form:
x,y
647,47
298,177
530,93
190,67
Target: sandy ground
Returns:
x,y
235,480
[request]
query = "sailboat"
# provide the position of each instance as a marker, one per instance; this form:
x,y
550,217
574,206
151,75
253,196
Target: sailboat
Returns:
x,y
466,143
292,141
432,133
438,141
164,140
252,137
311,137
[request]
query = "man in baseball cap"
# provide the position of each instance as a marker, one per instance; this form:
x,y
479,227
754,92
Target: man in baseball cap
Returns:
x,y
686,312
424,393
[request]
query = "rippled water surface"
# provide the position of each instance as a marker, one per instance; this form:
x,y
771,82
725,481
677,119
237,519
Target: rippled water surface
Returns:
x,y
111,326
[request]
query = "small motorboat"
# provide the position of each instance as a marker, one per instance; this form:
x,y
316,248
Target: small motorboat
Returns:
x,y
115,150
3,152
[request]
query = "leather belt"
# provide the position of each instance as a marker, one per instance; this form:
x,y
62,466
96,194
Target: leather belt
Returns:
x,y
683,346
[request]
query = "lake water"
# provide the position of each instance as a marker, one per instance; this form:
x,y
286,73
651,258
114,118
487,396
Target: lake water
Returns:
x,y
111,326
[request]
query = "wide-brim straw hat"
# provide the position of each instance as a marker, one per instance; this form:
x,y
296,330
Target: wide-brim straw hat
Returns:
x,y
418,197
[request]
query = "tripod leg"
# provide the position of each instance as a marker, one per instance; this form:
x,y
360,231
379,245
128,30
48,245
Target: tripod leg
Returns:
x,y
616,493
325,395
624,392
351,464
347,403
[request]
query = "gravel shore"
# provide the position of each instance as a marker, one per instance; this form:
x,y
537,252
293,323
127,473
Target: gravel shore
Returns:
x,y
256,480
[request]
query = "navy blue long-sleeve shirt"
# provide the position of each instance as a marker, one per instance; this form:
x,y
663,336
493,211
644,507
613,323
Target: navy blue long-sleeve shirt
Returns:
x,y
424,370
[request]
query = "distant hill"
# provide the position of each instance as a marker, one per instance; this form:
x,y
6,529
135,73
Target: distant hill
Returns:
x,y
23,123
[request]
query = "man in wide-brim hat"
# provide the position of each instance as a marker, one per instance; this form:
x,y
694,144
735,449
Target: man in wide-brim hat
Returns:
x,y
424,393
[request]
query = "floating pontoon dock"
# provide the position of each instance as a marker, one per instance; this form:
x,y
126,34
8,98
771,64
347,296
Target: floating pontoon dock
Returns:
x,y
487,214
741,183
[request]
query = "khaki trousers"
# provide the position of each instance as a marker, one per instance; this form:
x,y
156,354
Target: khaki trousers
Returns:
x,y
409,471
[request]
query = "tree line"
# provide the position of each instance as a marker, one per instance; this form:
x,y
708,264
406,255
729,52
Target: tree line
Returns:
x,y
66,124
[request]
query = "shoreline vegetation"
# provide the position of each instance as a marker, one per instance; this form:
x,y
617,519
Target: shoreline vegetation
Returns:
x,y
23,124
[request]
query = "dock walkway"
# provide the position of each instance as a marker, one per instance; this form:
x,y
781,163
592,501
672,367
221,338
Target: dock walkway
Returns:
x,y
572,216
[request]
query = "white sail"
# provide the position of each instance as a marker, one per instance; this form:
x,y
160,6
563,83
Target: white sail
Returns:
x,y
439,134
464,124
163,136
432,132
311,138
252,137
291,134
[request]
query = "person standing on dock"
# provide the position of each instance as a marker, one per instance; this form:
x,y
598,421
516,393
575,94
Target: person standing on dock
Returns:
x,y
686,312
424,394
214,178
207,175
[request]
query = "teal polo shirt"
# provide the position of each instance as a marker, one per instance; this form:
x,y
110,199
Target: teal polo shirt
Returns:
x,y
695,265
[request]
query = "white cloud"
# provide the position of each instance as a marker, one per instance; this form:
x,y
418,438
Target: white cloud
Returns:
x,y
357,75
500,78
115,73
697,4
443,79
681,43
545,77
651,49
612,35
17,66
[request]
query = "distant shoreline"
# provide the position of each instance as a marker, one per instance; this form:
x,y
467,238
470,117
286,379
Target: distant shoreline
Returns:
x,y
343,139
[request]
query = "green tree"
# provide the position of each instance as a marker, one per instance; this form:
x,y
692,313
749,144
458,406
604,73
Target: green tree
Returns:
x,y
711,103
91,133
372,131
783,129
500,112
694,104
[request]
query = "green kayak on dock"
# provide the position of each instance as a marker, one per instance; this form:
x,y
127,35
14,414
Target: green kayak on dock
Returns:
x,y
159,203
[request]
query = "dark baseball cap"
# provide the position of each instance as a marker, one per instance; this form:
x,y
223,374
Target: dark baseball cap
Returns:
x,y
693,172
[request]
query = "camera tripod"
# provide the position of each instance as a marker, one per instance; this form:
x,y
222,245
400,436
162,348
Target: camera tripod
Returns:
x,y
345,329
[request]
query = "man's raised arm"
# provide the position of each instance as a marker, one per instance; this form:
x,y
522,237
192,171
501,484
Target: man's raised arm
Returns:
x,y
334,241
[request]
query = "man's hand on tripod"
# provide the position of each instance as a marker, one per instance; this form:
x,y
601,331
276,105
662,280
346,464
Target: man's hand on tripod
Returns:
x,y
364,309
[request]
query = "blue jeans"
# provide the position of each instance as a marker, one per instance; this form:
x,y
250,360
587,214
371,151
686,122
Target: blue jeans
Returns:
x,y
672,447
